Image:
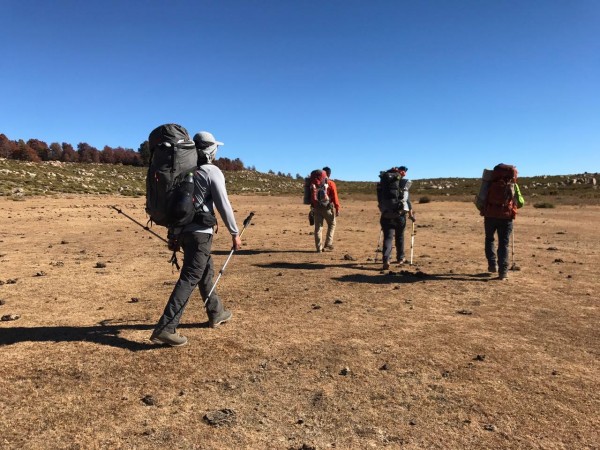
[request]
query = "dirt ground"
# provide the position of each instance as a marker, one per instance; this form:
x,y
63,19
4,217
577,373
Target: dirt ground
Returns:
x,y
324,350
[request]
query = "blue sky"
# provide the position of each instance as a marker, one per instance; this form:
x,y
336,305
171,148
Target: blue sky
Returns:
x,y
444,87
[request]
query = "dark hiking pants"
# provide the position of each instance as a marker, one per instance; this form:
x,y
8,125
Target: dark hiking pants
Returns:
x,y
504,229
393,228
197,270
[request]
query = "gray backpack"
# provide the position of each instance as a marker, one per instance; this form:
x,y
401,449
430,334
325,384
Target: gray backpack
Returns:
x,y
170,182
392,193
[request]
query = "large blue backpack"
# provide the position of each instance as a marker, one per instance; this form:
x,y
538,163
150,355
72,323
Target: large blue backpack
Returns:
x,y
170,182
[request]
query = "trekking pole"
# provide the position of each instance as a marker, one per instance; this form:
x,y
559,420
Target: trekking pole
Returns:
x,y
512,267
136,222
246,223
379,249
412,243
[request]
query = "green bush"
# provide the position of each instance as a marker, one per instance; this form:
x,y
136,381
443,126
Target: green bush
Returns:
x,y
543,205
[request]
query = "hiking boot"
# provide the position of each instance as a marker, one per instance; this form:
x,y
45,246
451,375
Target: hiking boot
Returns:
x,y
492,268
172,339
386,265
503,276
329,248
401,261
218,319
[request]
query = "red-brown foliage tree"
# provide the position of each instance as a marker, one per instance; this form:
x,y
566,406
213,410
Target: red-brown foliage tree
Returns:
x,y
87,153
68,154
107,155
25,153
55,151
7,147
41,148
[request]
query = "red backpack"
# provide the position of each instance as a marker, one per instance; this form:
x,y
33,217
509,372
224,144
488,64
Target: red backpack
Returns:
x,y
500,201
319,186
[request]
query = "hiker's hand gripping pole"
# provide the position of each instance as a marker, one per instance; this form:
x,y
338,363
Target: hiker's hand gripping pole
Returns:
x,y
246,223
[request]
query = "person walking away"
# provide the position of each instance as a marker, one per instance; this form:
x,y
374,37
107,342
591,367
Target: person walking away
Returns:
x,y
195,239
325,206
394,204
499,210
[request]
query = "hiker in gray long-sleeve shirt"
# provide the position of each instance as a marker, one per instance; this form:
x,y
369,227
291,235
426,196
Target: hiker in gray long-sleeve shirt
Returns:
x,y
196,239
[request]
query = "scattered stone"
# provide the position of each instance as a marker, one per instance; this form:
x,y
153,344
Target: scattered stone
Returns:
x,y
561,232
220,417
2,302
489,427
446,374
100,265
559,260
348,257
569,276
465,312
64,242
41,273
385,367
12,281
300,421
266,289
149,400
479,358
134,300
345,371
338,302
315,306
554,372
280,274
552,249
412,423
9,317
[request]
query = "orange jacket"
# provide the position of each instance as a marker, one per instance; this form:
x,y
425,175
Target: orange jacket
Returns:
x,y
333,195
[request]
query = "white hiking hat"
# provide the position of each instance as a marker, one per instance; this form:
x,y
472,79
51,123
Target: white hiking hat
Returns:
x,y
206,144
205,139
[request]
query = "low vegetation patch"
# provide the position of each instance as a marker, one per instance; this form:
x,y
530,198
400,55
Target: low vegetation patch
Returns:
x,y
26,178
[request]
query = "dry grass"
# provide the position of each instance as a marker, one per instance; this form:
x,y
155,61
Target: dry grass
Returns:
x,y
323,351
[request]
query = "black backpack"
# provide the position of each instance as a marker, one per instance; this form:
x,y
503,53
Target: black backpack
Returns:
x,y
170,178
392,192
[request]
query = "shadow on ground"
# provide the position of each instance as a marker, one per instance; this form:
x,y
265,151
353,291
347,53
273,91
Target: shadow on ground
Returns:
x,y
102,334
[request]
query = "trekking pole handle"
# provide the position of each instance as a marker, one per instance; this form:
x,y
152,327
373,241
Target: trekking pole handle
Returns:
x,y
247,221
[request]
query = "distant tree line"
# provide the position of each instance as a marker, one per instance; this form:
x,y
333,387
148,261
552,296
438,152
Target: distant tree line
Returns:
x,y
36,151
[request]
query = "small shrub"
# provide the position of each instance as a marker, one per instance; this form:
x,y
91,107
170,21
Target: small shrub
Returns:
x,y
543,205
424,199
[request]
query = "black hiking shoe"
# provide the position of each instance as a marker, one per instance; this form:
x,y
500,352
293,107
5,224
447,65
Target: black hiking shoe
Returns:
x,y
220,318
492,268
172,339
401,261
386,265
329,248
503,276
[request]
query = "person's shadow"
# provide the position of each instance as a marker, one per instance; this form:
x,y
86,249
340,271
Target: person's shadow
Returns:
x,y
103,334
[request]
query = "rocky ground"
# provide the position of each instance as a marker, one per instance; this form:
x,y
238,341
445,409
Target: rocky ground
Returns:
x,y
324,351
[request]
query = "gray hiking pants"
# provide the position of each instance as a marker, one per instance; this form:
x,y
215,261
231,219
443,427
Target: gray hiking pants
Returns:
x,y
197,270
393,230
324,214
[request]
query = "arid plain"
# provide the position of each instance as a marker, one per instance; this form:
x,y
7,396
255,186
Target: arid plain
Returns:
x,y
324,350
